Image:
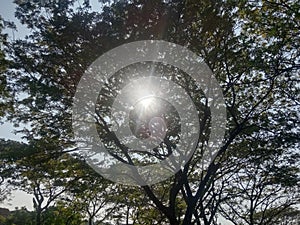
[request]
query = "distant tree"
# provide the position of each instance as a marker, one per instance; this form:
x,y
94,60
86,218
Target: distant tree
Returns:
x,y
266,180
260,192
89,195
289,216
10,152
59,215
44,176
20,217
62,215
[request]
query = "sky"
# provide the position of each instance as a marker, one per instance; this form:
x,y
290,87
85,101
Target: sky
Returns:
x,y
19,198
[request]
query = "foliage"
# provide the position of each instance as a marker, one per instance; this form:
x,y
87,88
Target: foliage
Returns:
x,y
19,217
253,52
59,215
10,151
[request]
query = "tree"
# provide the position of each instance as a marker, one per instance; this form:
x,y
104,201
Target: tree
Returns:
x,y
59,215
44,176
5,104
269,177
89,195
154,30
254,58
260,192
291,215
18,217
10,152
47,180
62,215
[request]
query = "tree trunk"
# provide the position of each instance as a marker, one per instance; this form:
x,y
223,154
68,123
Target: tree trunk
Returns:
x,y
188,217
38,217
90,220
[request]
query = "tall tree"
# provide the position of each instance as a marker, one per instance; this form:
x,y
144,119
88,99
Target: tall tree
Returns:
x,y
246,45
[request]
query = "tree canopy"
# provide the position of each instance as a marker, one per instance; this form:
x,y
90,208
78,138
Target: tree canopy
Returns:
x,y
252,48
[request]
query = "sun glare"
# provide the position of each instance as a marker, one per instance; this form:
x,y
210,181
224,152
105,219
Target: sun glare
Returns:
x,y
147,102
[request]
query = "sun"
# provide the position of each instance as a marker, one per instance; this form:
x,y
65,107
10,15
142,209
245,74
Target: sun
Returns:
x,y
147,102
146,106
